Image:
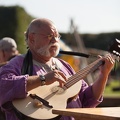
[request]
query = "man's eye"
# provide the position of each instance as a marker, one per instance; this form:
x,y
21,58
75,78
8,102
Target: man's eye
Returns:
x,y
50,37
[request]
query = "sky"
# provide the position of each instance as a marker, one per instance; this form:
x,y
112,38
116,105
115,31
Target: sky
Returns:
x,y
89,16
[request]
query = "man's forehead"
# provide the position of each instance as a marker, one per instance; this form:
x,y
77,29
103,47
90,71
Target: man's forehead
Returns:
x,y
49,29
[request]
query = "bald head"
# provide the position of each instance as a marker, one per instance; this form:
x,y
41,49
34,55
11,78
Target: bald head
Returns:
x,y
37,24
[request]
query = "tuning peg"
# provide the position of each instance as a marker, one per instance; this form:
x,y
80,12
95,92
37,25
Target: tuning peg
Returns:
x,y
117,40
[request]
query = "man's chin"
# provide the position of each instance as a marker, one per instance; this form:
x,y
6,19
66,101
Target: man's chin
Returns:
x,y
50,55
54,54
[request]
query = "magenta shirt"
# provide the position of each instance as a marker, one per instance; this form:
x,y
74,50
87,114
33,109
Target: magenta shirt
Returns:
x,y
13,85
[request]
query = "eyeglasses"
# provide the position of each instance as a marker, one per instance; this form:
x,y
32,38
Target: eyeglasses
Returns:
x,y
50,37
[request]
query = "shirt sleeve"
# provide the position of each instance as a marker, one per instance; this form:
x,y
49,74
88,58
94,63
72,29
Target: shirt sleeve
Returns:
x,y
12,84
86,96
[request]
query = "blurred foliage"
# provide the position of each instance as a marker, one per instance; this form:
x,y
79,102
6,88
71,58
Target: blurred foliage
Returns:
x,y
13,22
69,39
109,90
98,41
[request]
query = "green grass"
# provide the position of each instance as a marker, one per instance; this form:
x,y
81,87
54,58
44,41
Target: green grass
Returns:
x,y
109,92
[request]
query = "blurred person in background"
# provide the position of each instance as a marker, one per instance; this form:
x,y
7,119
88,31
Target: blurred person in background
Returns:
x,y
8,50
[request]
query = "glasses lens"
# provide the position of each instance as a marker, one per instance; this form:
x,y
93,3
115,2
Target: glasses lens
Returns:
x,y
52,36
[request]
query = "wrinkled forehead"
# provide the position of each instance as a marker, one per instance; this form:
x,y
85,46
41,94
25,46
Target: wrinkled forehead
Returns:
x,y
50,29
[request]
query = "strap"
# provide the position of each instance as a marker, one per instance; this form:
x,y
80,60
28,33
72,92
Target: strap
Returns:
x,y
2,114
27,67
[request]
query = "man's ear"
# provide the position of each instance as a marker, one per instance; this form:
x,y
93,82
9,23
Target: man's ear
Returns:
x,y
2,56
31,38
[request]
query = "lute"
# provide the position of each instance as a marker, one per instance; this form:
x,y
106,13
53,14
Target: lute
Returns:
x,y
54,97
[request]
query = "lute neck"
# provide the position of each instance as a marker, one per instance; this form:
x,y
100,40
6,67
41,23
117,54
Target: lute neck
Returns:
x,y
83,73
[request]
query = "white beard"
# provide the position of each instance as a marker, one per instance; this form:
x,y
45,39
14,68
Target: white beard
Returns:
x,y
44,51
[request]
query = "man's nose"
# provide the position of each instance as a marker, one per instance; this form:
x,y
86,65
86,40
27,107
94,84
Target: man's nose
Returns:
x,y
54,39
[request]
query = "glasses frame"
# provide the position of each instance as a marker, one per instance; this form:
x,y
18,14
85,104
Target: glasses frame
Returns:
x,y
50,37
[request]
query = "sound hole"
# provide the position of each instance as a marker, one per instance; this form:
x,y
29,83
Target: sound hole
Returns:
x,y
57,90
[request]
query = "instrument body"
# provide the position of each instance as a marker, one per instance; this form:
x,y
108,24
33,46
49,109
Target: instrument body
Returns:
x,y
56,96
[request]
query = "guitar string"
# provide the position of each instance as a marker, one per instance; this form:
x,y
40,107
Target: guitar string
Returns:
x,y
82,73
77,78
